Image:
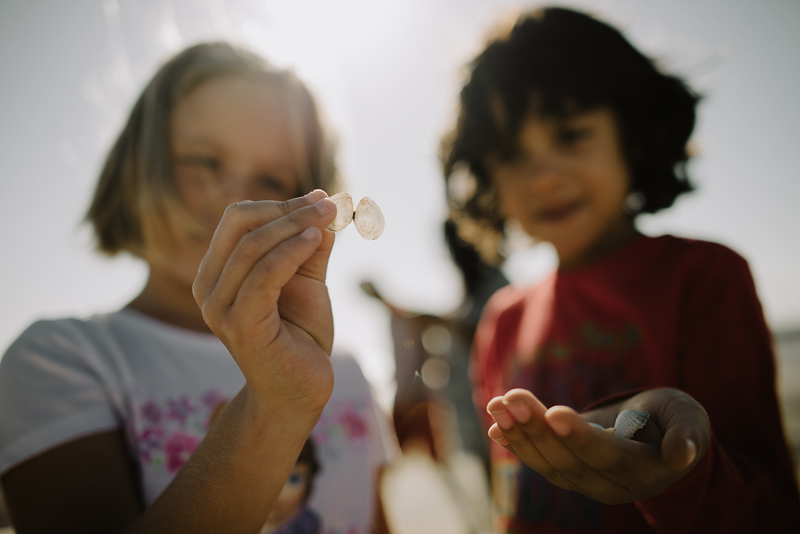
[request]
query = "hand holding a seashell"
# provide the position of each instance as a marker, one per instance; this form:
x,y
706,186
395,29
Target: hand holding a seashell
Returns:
x,y
261,288
619,452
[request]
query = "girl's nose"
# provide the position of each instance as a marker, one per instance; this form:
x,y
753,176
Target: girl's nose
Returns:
x,y
230,188
235,187
543,173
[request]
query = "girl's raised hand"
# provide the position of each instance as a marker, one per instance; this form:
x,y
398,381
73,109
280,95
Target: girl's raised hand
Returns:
x,y
261,288
560,444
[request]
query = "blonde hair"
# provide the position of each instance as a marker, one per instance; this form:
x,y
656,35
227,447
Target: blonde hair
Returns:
x,y
136,190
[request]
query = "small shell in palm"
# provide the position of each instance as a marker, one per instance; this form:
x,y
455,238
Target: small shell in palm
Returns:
x,y
627,424
344,211
368,219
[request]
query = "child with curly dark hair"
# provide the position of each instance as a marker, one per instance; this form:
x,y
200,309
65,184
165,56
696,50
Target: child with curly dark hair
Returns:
x,y
568,130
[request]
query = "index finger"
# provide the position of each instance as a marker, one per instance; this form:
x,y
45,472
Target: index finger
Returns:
x,y
239,219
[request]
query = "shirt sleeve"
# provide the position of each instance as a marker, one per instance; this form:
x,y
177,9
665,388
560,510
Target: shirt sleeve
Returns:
x,y
485,362
726,362
50,392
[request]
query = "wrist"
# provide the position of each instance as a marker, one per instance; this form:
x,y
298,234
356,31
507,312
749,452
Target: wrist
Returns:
x,y
277,408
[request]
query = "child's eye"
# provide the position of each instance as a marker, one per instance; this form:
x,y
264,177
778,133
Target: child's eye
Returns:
x,y
203,162
273,184
571,135
295,479
211,164
509,157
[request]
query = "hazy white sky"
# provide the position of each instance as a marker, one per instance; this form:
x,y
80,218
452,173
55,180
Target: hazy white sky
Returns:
x,y
387,74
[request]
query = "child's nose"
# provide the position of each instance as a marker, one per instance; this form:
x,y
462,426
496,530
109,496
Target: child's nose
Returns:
x,y
236,188
230,189
543,173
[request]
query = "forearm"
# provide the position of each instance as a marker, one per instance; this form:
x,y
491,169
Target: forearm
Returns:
x,y
234,477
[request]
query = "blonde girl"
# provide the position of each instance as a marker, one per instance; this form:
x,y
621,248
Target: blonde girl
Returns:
x,y
218,182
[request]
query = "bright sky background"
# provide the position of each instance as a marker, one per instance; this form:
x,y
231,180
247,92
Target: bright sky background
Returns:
x,y
387,75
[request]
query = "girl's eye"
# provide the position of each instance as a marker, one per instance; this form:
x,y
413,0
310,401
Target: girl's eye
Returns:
x,y
571,135
211,164
295,479
205,163
273,184
509,157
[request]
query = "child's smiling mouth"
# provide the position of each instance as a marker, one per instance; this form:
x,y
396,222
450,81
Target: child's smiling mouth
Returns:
x,y
559,212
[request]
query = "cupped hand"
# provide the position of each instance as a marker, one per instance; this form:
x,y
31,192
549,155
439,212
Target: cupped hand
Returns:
x,y
562,446
261,288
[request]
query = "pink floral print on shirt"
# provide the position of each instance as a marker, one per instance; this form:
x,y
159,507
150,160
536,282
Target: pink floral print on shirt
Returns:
x,y
169,430
178,447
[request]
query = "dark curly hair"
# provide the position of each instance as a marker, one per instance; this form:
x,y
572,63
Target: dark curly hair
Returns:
x,y
566,59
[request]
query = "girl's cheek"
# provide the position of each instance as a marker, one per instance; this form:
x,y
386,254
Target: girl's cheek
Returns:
x,y
508,203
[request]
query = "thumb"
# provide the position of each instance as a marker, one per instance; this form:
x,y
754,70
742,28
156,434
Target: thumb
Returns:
x,y
686,433
679,450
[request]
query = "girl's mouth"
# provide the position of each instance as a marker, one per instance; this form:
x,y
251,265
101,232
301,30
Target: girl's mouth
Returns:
x,y
558,213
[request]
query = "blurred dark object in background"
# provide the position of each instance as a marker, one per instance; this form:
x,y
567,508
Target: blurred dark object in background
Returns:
x,y
433,406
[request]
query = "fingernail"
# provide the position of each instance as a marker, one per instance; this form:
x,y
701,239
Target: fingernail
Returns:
x,y
560,427
324,206
501,440
691,451
519,410
503,419
309,233
316,194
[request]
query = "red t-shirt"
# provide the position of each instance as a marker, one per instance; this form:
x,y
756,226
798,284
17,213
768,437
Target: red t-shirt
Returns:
x,y
660,312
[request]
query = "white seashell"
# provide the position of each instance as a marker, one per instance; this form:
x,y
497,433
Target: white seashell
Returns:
x,y
604,429
628,422
368,219
344,211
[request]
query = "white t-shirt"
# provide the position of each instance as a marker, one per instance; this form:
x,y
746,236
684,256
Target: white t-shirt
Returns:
x,y
67,378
